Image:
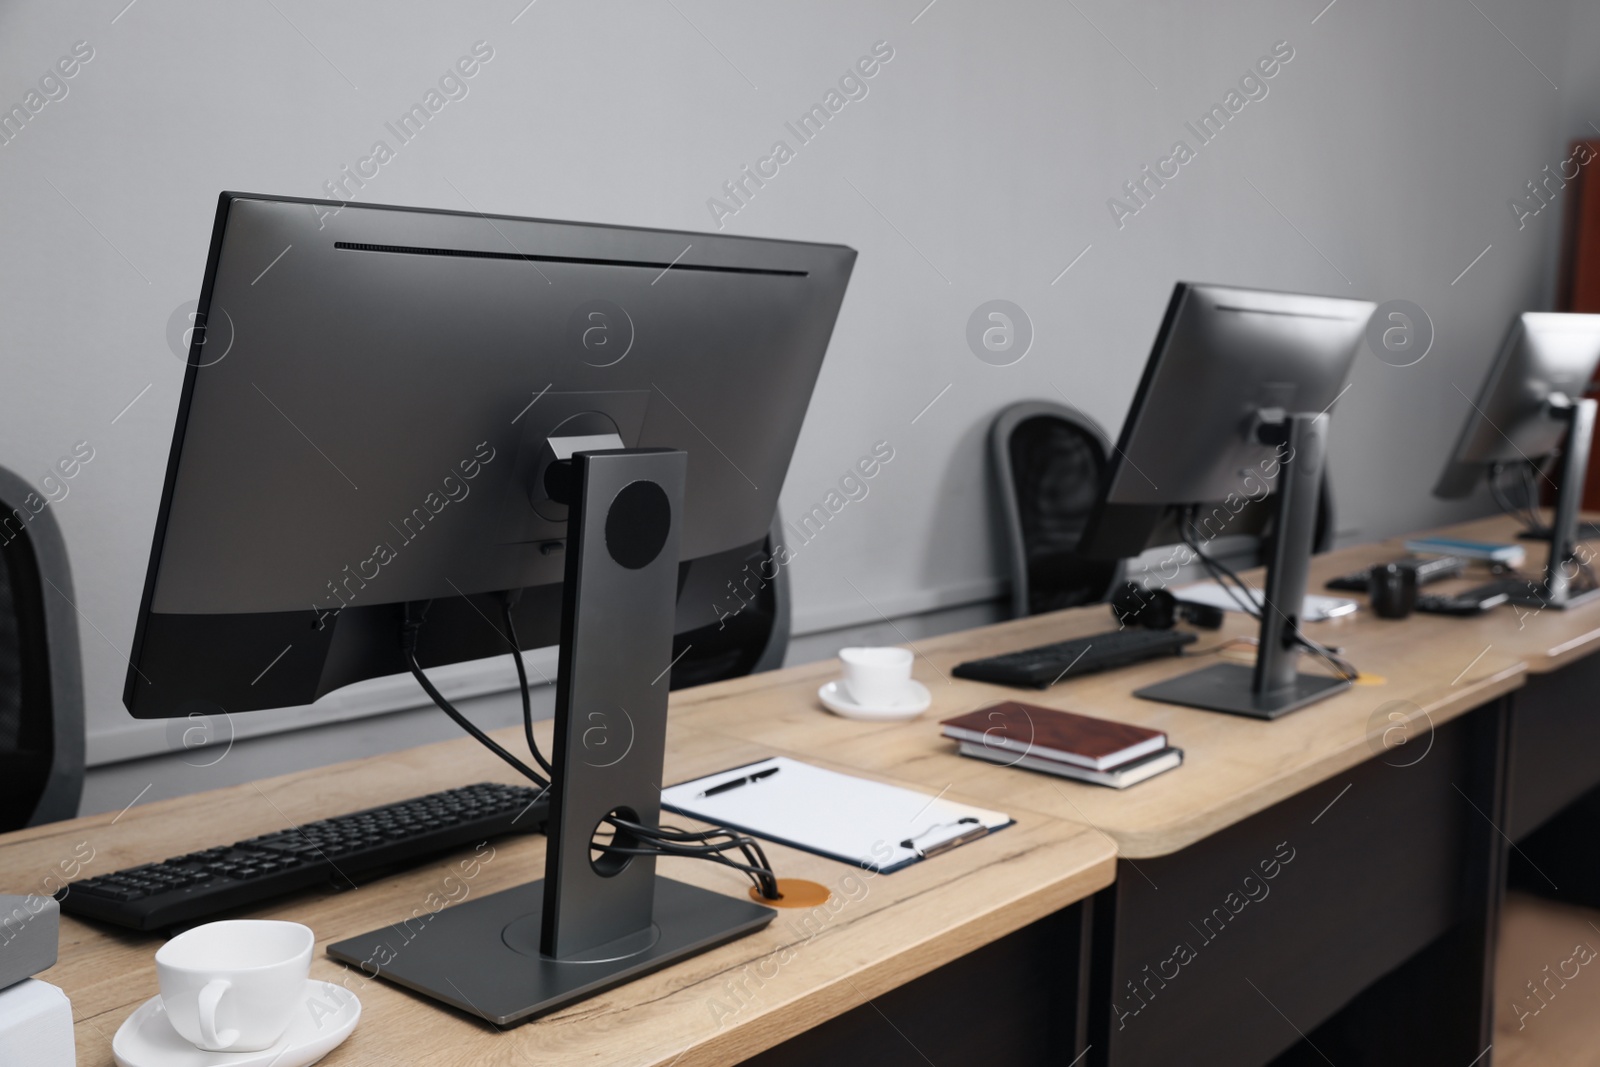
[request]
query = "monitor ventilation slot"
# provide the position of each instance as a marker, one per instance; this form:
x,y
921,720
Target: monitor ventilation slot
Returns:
x,y
1284,314
467,253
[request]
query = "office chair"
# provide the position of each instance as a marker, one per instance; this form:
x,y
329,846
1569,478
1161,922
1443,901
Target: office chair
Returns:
x,y
41,674
752,640
1049,463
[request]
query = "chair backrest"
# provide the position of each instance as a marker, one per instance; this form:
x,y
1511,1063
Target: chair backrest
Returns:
x,y
1049,463
750,640
41,676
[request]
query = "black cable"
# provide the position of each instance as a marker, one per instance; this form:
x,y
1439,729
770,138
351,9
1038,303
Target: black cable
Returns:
x,y
682,849
654,840
671,833
409,630
1530,494
762,878
1216,568
1212,650
677,838
671,840
1530,491
1497,492
1523,512
522,684
1530,472
1246,602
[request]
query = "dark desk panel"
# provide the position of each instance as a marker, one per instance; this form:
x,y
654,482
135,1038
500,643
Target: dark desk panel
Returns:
x,y
1202,958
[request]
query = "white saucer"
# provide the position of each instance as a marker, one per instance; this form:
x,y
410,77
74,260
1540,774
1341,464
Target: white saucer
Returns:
x,y
329,1013
836,699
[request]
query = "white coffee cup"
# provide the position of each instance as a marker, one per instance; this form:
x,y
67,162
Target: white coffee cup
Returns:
x,y
877,677
233,986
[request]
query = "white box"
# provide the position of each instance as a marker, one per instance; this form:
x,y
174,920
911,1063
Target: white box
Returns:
x,y
36,1025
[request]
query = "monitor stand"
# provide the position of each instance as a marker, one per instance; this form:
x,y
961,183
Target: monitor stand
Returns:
x,y
1566,584
597,919
1274,686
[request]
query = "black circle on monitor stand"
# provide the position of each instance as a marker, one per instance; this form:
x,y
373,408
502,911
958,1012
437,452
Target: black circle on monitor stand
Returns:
x,y
637,524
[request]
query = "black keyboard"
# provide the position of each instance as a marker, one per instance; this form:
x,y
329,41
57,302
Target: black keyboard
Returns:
x,y
1436,569
363,844
1042,667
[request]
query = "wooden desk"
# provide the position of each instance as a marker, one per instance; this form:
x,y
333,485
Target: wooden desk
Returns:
x,y
881,935
1554,759
1544,640
1233,768
1394,888
1382,850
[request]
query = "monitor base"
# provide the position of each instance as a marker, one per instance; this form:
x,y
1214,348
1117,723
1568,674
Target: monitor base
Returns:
x,y
1226,687
482,956
1587,531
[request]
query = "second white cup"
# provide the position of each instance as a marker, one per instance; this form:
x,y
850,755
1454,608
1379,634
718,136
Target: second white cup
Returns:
x,y
233,986
877,677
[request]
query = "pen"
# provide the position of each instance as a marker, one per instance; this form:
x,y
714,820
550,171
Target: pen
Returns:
x,y
737,782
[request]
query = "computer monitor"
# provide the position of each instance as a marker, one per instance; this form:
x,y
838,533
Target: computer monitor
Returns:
x,y
1234,404
367,415
392,415
1531,401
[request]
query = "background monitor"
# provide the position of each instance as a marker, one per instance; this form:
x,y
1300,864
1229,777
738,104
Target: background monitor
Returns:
x,y
1233,406
376,395
1511,420
1222,357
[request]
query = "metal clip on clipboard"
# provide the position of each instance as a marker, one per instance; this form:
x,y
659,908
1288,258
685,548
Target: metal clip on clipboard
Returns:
x,y
975,830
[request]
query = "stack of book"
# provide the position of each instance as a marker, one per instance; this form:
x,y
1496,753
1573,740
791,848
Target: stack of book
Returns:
x,y
1081,747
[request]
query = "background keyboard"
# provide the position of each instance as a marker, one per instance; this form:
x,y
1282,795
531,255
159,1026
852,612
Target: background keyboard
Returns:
x,y
198,886
1042,667
1478,599
1428,571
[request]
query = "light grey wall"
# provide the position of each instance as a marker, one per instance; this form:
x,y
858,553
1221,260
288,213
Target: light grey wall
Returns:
x,y
978,166
1580,84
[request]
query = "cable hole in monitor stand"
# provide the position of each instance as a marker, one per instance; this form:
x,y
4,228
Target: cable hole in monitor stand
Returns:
x,y
611,864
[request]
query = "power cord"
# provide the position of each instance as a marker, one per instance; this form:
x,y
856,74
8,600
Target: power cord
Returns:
x,y
1524,511
507,602
1220,647
1221,573
644,840
696,844
1527,512
410,629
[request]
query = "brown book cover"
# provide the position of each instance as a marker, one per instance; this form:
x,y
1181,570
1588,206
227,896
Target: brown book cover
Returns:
x,y
1027,729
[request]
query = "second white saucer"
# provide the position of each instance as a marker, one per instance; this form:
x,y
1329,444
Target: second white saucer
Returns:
x,y
837,699
147,1039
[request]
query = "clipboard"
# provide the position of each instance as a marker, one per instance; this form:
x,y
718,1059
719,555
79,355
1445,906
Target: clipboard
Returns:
x,y
868,824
